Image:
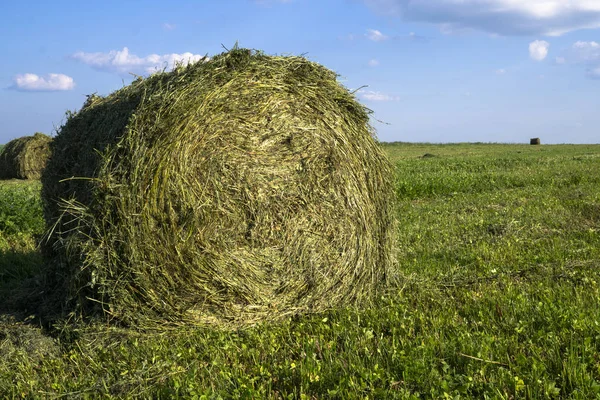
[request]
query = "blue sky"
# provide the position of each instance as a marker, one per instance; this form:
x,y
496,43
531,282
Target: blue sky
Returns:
x,y
431,70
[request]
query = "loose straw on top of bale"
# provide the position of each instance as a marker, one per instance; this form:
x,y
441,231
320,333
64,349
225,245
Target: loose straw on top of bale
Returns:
x,y
230,191
25,157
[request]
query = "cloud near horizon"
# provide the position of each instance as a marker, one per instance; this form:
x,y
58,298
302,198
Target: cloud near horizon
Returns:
x,y
501,17
123,62
49,83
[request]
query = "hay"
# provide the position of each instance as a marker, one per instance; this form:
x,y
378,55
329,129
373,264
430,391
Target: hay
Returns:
x,y
25,157
534,141
240,189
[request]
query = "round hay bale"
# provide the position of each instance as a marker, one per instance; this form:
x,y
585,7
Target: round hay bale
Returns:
x,y
240,189
25,157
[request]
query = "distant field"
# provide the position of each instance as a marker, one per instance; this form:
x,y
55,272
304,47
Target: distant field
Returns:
x,y
498,297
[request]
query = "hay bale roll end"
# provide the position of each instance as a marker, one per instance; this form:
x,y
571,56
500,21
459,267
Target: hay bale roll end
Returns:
x,y
25,157
230,191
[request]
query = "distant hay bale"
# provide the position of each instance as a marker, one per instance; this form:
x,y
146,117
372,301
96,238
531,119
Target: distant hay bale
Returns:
x,y
534,141
25,157
428,155
236,190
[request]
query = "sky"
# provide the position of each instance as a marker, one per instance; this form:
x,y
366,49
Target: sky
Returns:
x,y
431,70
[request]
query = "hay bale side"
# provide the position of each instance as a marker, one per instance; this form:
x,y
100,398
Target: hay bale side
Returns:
x,y
534,141
25,157
241,189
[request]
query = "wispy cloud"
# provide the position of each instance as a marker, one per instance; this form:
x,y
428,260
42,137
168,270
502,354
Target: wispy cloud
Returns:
x,y
123,62
168,27
376,36
593,73
348,37
583,54
266,2
502,17
49,83
376,96
414,36
585,51
501,71
373,63
538,50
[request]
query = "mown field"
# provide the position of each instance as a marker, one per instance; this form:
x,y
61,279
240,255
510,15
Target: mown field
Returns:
x,y
498,297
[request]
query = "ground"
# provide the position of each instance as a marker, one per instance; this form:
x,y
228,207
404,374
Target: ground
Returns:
x,y
497,297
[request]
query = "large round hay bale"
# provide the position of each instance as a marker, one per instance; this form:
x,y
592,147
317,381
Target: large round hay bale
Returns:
x,y
25,157
235,190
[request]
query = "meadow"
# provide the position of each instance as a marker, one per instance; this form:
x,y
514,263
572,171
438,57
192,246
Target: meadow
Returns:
x,y
498,297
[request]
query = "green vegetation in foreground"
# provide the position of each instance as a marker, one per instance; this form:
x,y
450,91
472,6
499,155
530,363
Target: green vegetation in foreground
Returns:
x,y
499,253
21,224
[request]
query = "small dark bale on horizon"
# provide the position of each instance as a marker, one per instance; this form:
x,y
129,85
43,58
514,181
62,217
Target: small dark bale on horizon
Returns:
x,y
534,141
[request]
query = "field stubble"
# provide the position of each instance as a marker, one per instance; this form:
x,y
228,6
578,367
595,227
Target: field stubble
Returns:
x,y
499,253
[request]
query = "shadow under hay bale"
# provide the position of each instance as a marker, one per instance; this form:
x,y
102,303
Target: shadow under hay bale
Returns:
x,y
236,190
25,157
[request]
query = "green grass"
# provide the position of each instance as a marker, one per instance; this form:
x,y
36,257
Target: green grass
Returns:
x,y
20,208
21,226
499,249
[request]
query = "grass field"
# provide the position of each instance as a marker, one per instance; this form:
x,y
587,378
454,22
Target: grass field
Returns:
x,y
499,253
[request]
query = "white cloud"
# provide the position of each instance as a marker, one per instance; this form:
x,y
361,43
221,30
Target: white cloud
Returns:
x,y
375,35
583,54
48,83
500,71
414,37
585,51
502,17
538,50
586,45
377,96
122,62
169,27
593,73
378,36
373,63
